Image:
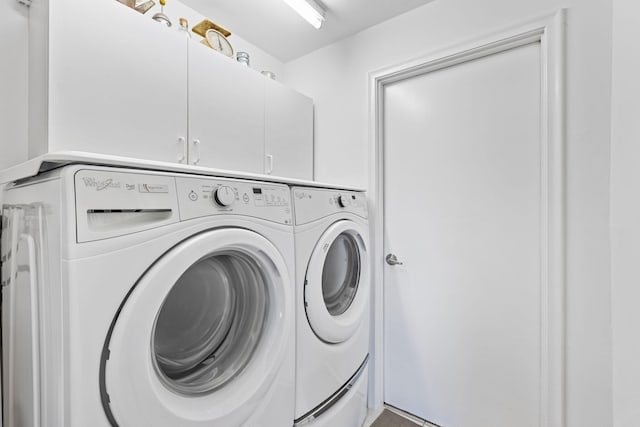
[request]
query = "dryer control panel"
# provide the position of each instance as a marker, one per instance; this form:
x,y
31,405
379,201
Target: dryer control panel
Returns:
x,y
199,197
311,204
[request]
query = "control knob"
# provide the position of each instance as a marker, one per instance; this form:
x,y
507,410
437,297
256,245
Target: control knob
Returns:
x,y
343,201
224,196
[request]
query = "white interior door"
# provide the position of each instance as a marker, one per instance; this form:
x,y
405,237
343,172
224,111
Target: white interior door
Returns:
x,y
462,328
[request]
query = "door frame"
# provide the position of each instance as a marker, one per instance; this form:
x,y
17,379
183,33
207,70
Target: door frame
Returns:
x,y
549,31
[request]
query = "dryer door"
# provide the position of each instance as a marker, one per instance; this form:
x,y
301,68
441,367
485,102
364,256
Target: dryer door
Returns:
x,y
337,284
200,337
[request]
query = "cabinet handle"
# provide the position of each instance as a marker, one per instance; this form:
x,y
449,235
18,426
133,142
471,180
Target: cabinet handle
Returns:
x,y
181,149
196,151
269,164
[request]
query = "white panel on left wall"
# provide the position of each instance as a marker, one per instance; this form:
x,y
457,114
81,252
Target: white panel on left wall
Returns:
x,y
13,88
13,83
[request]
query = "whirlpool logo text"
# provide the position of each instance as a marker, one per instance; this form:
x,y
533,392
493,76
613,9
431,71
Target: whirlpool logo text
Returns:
x,y
101,185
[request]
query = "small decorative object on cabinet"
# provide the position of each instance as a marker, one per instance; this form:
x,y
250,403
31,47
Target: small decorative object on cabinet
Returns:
x,y
184,27
201,28
243,58
160,16
140,6
218,42
145,6
130,3
269,74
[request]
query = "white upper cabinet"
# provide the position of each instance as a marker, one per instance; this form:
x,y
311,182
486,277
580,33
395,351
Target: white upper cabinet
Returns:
x,y
117,88
226,112
288,132
106,79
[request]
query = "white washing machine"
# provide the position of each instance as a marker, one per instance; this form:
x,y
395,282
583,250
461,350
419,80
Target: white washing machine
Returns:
x,y
141,298
333,306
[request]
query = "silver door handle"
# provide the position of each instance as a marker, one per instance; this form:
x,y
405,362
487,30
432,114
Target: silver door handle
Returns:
x,y
181,149
393,260
269,164
196,152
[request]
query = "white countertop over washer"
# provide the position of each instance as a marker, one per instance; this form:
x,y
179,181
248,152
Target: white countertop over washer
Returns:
x,y
55,160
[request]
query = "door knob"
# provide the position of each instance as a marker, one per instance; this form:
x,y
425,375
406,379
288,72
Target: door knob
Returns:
x,y
392,260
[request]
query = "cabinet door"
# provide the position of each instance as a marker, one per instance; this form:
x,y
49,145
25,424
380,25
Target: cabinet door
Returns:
x,y
288,132
226,112
118,88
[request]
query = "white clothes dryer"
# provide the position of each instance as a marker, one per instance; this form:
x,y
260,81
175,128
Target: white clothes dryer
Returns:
x,y
142,298
333,306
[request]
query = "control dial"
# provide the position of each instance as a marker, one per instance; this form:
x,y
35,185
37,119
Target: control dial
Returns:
x,y
343,201
224,196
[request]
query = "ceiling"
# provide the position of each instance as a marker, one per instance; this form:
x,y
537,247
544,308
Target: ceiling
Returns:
x,y
277,29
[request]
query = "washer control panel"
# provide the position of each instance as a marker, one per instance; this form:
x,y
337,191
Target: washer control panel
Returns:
x,y
112,203
199,197
314,203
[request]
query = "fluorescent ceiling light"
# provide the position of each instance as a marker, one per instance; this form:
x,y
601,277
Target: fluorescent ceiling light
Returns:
x,y
309,10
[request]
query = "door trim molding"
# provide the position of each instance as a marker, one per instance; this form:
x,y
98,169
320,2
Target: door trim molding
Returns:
x,y
549,31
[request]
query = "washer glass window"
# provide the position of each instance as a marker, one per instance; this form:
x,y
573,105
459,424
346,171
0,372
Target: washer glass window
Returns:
x,y
341,274
210,323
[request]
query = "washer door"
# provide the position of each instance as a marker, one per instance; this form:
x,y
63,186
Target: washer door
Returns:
x,y
337,282
201,335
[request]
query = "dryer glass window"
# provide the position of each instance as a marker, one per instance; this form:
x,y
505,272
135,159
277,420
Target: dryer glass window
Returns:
x,y
341,274
210,323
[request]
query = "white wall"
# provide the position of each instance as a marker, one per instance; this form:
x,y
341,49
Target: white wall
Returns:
x,y
336,78
625,213
13,82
